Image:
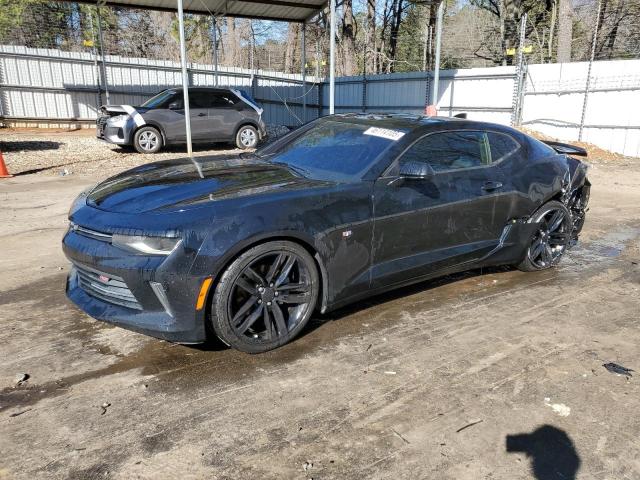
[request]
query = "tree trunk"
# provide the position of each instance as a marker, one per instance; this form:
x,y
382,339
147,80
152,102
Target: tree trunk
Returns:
x,y
433,17
512,15
231,53
348,39
290,51
565,31
397,9
370,38
503,38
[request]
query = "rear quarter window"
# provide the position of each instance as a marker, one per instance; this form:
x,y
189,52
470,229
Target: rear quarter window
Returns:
x,y
502,146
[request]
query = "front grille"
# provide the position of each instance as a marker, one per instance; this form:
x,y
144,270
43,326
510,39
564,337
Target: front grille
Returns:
x,y
101,122
87,232
106,287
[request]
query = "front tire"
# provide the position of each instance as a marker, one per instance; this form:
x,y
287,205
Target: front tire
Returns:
x,y
247,137
265,297
551,240
147,140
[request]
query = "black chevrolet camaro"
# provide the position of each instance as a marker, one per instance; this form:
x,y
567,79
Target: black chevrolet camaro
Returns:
x,y
347,206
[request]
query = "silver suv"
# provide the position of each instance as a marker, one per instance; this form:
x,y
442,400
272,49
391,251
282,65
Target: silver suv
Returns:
x,y
217,115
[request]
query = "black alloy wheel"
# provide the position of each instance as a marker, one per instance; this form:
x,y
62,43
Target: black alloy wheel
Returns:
x,y
552,238
265,297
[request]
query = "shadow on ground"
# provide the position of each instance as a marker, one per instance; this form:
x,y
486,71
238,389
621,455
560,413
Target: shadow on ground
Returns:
x,y
28,145
179,148
551,451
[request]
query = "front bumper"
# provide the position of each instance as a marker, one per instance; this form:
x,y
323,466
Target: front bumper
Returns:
x,y
262,130
154,295
118,135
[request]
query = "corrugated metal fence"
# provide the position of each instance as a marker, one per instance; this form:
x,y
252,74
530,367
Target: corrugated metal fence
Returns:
x,y
43,86
50,86
410,92
554,98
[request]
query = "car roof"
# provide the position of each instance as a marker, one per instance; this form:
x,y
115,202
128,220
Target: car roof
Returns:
x,y
200,89
413,122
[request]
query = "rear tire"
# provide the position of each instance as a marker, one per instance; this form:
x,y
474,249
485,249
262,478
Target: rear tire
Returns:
x,y
265,297
551,240
147,140
247,137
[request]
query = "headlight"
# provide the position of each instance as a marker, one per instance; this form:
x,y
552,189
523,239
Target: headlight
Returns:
x,y
118,120
144,244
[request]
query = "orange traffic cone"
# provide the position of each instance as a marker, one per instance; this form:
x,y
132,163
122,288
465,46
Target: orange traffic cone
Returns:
x,y
4,173
430,111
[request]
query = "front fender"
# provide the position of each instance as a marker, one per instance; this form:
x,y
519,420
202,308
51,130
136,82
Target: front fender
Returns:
x,y
335,227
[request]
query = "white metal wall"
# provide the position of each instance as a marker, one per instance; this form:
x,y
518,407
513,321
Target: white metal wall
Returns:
x,y
51,84
554,100
482,93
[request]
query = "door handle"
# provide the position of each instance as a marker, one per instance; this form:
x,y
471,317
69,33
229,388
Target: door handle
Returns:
x,y
491,186
202,114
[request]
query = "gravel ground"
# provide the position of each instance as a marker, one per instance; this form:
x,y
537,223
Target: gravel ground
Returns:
x,y
493,376
484,375
60,152
64,152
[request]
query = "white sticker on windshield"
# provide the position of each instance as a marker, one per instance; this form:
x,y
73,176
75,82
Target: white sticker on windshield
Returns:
x,y
394,135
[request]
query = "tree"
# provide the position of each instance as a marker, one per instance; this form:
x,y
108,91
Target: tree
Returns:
x,y
370,44
232,43
565,30
291,48
348,39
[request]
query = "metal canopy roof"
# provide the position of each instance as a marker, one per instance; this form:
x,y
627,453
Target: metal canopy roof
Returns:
x,y
279,10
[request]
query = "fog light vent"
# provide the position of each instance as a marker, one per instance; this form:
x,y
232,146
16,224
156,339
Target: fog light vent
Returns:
x,y
158,289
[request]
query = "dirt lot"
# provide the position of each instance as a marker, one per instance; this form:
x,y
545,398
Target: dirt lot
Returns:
x,y
433,381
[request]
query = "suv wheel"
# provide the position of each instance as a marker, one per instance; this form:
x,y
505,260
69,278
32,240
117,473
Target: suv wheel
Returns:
x,y
147,140
247,137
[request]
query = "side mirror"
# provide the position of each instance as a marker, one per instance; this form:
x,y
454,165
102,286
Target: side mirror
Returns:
x,y
174,106
415,170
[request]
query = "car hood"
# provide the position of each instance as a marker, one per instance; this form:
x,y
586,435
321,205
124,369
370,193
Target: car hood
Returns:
x,y
178,184
112,110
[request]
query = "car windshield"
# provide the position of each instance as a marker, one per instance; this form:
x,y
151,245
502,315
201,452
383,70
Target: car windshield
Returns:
x,y
334,150
159,100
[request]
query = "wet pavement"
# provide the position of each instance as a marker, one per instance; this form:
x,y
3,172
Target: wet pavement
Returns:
x,y
429,381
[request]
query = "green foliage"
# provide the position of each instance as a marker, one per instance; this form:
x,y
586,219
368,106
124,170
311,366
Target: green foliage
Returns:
x,y
411,39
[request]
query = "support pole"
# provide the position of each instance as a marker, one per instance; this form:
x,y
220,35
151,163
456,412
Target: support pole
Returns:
x,y
591,59
519,80
96,68
215,52
425,48
364,82
303,66
332,59
185,79
436,67
104,66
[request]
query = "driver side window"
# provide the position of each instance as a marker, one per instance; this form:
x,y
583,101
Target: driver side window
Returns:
x,y
450,150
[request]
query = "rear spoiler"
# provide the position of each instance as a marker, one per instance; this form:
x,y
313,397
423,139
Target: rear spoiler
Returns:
x,y
566,149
